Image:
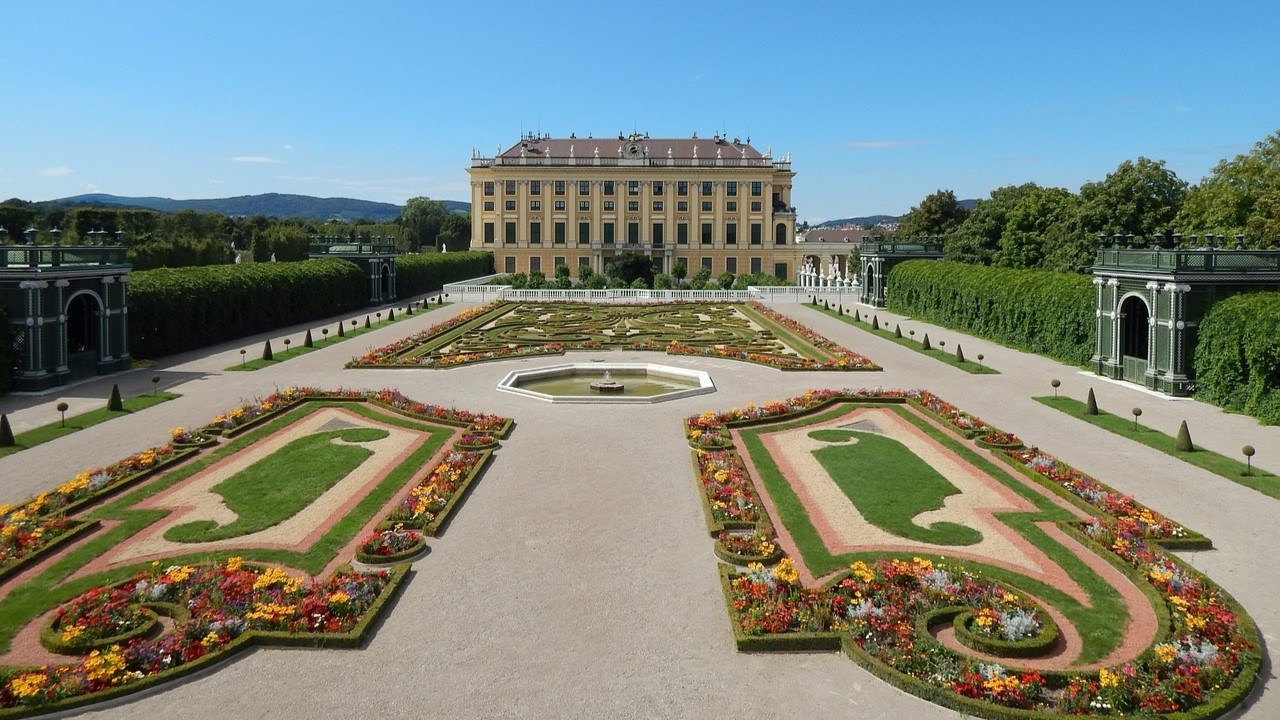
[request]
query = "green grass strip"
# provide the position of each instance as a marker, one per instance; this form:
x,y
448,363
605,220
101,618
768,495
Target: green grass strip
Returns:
x,y
967,365
1220,465
280,485
890,485
75,423
289,353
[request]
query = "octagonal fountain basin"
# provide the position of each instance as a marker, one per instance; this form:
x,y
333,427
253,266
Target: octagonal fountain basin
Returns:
x,y
599,382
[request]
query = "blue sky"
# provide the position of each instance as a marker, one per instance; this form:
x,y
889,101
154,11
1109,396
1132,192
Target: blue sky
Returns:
x,y
879,104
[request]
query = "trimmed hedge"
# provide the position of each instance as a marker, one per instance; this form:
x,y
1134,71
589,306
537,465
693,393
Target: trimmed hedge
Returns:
x,y
1238,357
424,272
6,350
1043,312
172,310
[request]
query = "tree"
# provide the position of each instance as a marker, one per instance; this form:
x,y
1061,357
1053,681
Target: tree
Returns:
x,y
700,278
455,232
679,271
938,214
725,280
1028,224
978,238
1234,198
1139,198
15,217
421,219
629,266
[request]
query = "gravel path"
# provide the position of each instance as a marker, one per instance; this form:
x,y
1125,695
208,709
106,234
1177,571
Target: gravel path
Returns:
x,y
578,581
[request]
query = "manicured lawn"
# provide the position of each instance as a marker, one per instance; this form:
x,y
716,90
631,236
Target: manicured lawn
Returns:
x,y
75,423
280,485
319,341
948,357
1221,465
890,485
1101,623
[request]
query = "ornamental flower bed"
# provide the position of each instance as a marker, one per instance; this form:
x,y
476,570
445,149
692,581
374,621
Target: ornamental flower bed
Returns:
x,y
742,548
394,354
424,507
236,419
182,436
962,421
731,499
999,440
99,617
475,422
213,606
388,546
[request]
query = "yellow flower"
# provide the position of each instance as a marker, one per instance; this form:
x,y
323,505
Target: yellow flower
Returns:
x,y
862,572
1166,652
922,564
25,686
1108,679
211,640
785,572
71,633
339,598
276,576
1009,597
105,666
235,563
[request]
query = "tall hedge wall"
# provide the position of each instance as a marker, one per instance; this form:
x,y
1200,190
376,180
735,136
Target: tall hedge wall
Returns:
x,y
1044,312
1238,356
177,309
423,272
6,350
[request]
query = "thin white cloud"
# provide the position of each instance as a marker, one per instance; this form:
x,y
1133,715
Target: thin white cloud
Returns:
x,y
882,144
257,159
61,171
288,147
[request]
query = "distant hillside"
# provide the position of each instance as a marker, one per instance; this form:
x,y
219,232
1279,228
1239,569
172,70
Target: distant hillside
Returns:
x,y
270,204
869,220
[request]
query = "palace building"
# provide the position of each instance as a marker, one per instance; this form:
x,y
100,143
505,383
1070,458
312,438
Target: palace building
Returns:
x,y
711,203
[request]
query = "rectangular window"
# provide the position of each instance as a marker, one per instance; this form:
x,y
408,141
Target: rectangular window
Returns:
x,y
608,233
559,260
656,235
559,234
535,187
488,205
535,205
755,206
488,188
706,233
731,233
584,261
535,264
608,187
509,205
682,206
731,188
633,187
682,188
509,232
706,187
584,233
633,206
731,206
633,233
560,205
509,187
731,265
706,262
657,188
608,206
584,205
488,232
584,187
706,206
535,233
755,236
559,188
755,192
756,265
657,206
780,271
509,264
682,233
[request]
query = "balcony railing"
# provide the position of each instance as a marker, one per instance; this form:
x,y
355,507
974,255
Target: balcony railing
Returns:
x,y
353,248
909,248
1189,260
654,162
44,256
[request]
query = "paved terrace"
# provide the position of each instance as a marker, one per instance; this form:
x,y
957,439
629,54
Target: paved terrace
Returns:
x,y
578,579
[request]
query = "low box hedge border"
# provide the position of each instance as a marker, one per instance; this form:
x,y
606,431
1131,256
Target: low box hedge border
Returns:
x,y
405,555
438,524
782,642
70,535
744,560
51,637
714,526
252,638
1032,647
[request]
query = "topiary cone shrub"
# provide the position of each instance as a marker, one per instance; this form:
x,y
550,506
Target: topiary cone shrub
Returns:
x,y
897,331
875,323
341,332
924,344
114,403
266,351
408,309
391,314
857,316
367,324
1183,443
959,354
840,309
307,341
825,305
1091,404
6,432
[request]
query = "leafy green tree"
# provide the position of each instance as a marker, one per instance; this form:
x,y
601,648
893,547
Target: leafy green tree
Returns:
x,y
421,219
1234,198
700,278
584,273
679,271
725,280
662,281
977,240
455,232
938,214
629,266
1139,198
15,217
1023,240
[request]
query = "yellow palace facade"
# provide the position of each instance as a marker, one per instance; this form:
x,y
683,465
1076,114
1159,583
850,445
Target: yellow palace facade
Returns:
x,y
708,202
